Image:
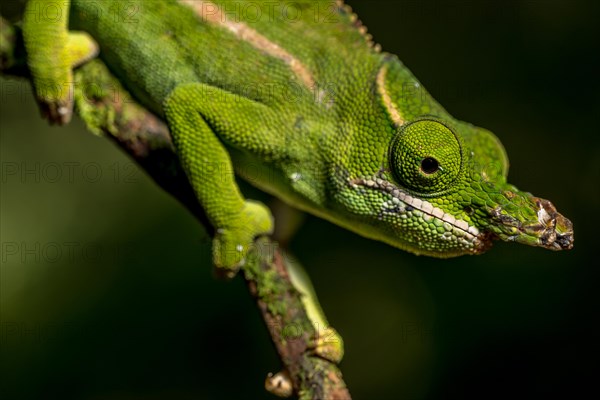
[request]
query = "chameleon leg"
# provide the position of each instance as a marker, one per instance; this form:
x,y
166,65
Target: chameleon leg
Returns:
x,y
328,343
52,53
209,169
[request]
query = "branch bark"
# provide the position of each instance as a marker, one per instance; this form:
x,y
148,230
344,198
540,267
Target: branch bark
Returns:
x,y
108,110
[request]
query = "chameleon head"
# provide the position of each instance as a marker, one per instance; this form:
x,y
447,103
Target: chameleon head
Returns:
x,y
447,194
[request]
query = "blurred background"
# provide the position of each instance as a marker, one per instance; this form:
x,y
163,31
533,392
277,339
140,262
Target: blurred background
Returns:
x,y
106,284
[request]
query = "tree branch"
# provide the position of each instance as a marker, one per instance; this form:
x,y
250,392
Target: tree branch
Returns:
x,y
108,110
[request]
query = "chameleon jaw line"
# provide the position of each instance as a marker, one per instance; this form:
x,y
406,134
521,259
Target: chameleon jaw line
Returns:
x,y
471,233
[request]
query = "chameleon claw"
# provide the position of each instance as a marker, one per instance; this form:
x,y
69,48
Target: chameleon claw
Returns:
x,y
58,113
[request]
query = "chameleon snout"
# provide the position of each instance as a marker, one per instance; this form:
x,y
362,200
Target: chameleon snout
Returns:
x,y
545,228
556,230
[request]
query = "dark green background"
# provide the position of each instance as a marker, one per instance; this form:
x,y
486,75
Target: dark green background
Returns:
x,y
132,312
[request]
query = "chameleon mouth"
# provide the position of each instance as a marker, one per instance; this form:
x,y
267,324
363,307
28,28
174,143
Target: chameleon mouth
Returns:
x,y
468,236
551,230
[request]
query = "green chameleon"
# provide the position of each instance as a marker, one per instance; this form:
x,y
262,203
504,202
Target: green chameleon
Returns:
x,y
295,98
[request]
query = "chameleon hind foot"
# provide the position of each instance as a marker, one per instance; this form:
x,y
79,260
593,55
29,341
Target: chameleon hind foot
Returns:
x,y
54,96
328,345
231,244
52,53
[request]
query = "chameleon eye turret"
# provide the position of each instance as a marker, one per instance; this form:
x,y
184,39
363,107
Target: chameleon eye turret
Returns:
x,y
426,156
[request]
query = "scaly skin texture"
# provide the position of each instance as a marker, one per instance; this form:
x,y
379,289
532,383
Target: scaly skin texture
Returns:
x,y
52,53
296,99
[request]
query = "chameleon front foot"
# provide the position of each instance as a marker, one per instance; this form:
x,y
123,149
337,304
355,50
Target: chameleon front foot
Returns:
x,y
231,244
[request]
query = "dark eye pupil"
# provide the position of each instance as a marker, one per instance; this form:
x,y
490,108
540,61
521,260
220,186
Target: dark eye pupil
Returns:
x,y
429,165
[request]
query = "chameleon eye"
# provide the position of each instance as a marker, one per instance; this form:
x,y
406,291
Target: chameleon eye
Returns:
x,y
425,156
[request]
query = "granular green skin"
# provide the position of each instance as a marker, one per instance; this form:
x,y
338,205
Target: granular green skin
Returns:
x,y
309,111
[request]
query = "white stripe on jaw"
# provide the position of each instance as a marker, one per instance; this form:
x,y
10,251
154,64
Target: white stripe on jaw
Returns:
x,y
211,13
471,232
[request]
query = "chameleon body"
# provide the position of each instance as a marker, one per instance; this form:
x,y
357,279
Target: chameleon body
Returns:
x,y
296,99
